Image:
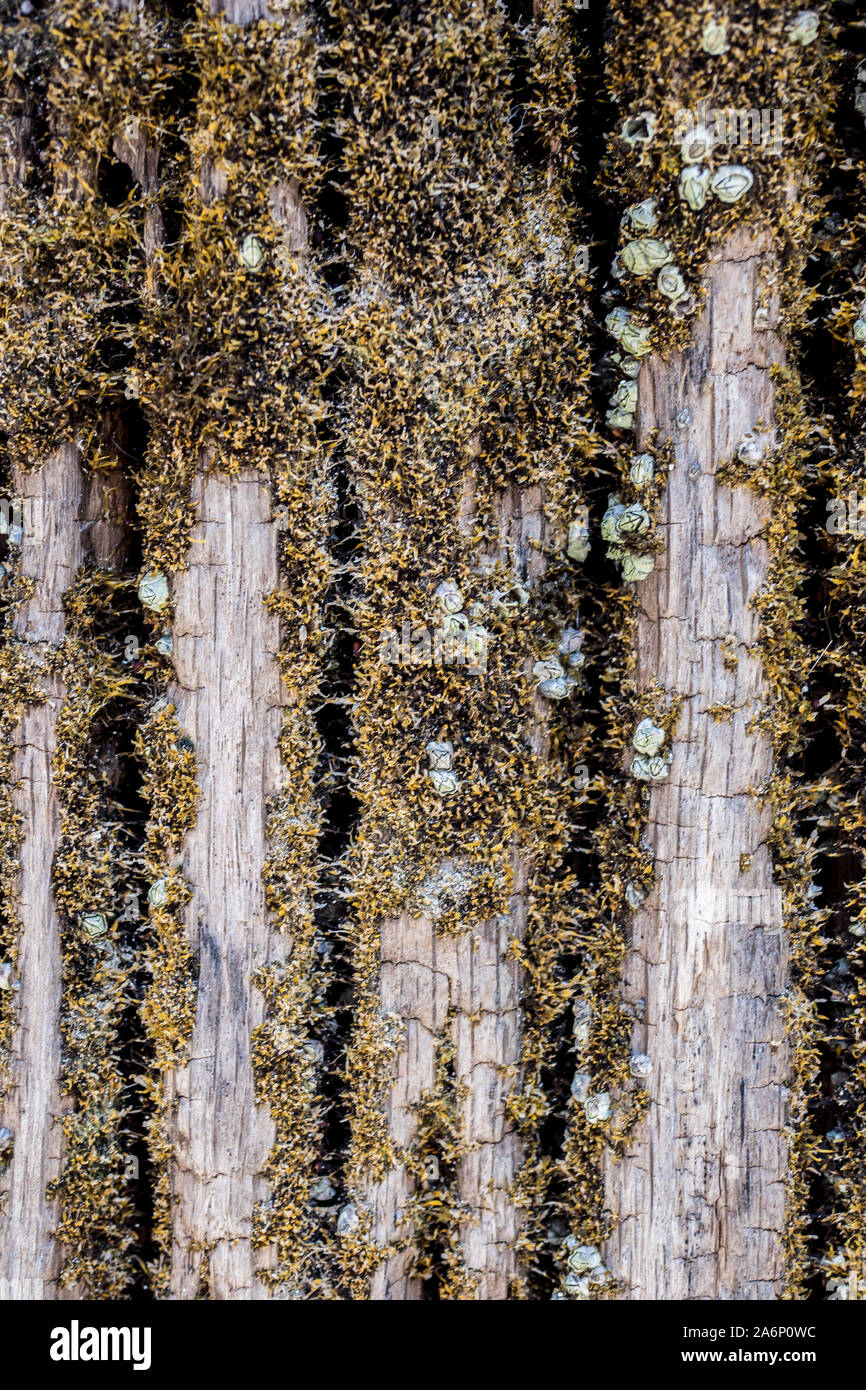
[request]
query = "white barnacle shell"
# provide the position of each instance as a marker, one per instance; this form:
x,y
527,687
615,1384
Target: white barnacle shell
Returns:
x,y
6,975
859,329
648,737
714,39
570,644
635,893
694,185
597,1107
697,145
609,521
616,321
680,307
644,255
322,1190
619,419
629,366
557,688
548,669
625,397
582,1257
580,1084
165,644
636,567
643,216
158,893
5,1139
252,252
444,781
440,754
632,520
453,624
640,1065
449,596
642,470
731,182
651,769
95,923
750,448
153,590
803,28
576,1286
577,545
582,1026
634,337
348,1221
639,129
670,282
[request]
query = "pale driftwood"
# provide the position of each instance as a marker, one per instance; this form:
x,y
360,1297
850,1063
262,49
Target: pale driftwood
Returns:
x,y
228,694
470,983
699,1199
52,550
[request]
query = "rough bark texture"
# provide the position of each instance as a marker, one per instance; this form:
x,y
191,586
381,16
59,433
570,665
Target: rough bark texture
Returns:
x,y
52,550
699,1199
228,696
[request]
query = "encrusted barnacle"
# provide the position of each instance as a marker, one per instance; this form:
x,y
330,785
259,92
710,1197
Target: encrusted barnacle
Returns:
x,y
440,754
553,683
582,1027
636,567
651,769
635,894
165,644
859,327
714,39
640,1065
581,1257
803,28
348,1221
449,596
252,252
609,521
697,145
694,185
750,448
153,590
634,337
5,1146
681,307
625,397
6,981
443,781
629,366
570,644
642,470
578,544
645,255
670,282
619,419
94,923
157,894
648,737
322,1190
731,182
597,1108
633,520
580,1084
642,217
639,129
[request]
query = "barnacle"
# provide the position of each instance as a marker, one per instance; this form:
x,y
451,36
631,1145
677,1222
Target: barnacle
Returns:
x,y
731,182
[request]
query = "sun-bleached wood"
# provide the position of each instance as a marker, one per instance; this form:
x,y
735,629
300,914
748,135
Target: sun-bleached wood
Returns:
x,y
699,1199
228,694
51,552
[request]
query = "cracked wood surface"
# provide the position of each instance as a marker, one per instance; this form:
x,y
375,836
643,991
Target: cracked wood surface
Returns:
x,y
699,1199
65,513
470,984
228,696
